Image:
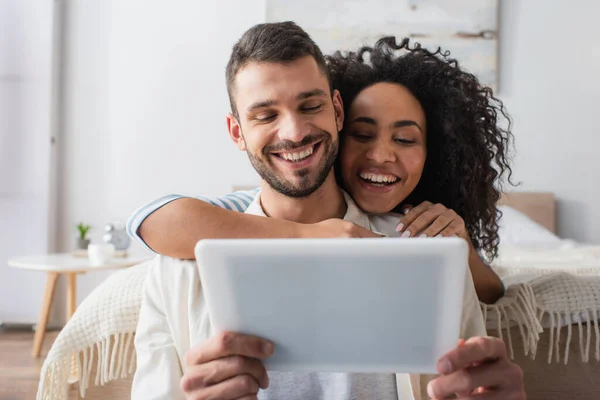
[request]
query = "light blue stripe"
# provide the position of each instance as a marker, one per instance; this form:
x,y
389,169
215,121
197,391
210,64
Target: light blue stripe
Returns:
x,y
247,194
211,200
237,202
206,200
218,201
135,221
230,205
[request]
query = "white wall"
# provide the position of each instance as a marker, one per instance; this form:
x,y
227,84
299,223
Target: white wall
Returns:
x,y
168,98
146,100
143,110
83,138
26,29
550,82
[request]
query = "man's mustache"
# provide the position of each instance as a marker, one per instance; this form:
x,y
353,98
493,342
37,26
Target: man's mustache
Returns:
x,y
288,145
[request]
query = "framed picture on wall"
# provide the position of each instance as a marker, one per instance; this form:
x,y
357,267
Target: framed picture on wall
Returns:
x,y
466,28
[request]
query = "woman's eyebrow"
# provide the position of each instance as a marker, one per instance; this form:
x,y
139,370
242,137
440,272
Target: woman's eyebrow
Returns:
x,y
396,124
365,120
403,123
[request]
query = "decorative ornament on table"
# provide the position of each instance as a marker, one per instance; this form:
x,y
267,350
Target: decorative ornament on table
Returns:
x,y
116,235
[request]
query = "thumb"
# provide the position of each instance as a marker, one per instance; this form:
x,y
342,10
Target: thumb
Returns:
x,y
368,233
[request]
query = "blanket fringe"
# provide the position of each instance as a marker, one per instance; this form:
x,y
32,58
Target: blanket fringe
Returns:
x,y
116,360
587,322
519,303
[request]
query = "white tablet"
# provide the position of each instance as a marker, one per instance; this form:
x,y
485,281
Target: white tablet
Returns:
x,y
339,305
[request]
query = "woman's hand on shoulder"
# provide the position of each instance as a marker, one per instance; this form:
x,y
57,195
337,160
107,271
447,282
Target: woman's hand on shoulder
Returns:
x,y
430,220
334,228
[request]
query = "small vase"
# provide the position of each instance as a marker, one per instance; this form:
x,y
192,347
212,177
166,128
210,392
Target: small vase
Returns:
x,y
116,234
82,244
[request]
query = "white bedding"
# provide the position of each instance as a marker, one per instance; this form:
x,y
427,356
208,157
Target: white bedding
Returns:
x,y
567,256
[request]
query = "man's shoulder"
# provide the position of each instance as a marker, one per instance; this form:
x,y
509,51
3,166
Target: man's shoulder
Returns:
x,y
385,223
172,273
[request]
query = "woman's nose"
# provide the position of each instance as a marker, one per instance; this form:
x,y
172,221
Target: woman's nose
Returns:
x,y
381,152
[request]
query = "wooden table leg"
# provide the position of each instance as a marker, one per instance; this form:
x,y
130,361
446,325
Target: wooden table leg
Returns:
x,y
71,295
40,330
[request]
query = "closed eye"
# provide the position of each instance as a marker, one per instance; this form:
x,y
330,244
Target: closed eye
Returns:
x,y
312,109
361,137
265,118
404,141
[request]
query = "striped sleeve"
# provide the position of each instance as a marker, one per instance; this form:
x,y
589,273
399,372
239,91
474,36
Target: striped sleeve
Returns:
x,y
238,201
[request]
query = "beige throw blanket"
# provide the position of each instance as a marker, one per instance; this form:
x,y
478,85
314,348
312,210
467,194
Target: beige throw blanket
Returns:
x,y
100,334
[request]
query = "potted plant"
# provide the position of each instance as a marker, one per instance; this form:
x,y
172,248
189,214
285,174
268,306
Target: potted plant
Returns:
x,y
82,240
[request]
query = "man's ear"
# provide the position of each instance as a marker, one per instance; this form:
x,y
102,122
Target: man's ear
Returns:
x,y
235,131
338,107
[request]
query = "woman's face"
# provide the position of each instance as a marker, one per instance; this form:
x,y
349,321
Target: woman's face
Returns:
x,y
383,151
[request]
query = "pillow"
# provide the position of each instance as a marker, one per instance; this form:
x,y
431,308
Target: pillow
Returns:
x,y
517,229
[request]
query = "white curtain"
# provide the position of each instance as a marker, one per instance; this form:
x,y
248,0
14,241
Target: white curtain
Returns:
x,y
26,54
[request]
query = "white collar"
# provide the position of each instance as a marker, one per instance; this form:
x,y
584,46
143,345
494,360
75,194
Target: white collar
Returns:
x,y
353,213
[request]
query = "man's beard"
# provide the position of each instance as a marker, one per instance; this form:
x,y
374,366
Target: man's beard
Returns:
x,y
308,184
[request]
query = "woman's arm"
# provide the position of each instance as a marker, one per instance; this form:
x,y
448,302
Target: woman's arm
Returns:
x,y
173,225
488,284
175,228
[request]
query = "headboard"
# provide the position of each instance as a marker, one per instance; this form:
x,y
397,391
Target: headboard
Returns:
x,y
244,187
539,206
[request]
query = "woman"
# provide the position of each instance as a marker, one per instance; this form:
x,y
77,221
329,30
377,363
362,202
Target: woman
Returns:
x,y
420,136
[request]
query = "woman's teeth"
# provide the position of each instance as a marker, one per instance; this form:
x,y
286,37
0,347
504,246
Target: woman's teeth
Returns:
x,y
379,178
294,157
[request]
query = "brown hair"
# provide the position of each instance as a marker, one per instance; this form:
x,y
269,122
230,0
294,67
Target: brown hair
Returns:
x,y
280,42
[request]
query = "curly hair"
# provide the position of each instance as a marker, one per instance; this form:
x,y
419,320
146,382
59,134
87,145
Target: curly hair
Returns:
x,y
467,149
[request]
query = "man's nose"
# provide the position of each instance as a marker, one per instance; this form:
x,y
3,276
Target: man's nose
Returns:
x,y
293,128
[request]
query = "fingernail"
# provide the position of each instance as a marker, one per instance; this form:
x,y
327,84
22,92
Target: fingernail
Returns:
x,y
267,348
430,390
445,366
405,234
399,227
423,235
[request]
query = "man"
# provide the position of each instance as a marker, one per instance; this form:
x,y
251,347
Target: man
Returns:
x,y
282,105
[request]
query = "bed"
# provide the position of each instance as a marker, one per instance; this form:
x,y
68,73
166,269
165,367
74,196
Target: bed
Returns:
x,y
549,316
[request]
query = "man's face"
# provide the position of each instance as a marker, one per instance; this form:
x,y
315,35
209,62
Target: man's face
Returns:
x,y
288,124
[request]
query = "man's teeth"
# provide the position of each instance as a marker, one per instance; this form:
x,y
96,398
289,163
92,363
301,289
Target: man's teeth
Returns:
x,y
378,178
297,156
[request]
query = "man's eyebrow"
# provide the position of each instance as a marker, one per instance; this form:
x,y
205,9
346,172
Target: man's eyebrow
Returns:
x,y
261,104
311,93
302,96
